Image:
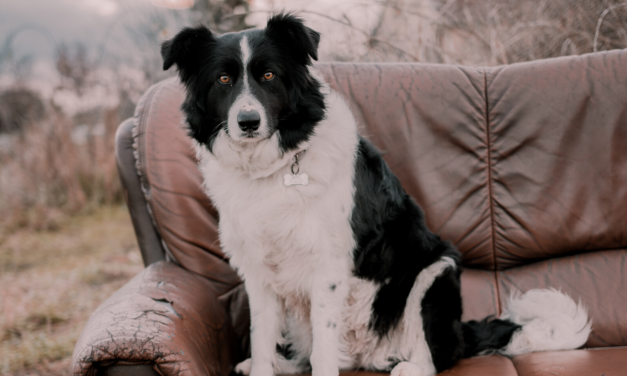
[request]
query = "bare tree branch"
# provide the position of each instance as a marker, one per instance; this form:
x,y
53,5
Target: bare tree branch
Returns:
x,y
605,12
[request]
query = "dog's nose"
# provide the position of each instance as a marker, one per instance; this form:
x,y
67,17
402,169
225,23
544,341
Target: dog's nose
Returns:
x,y
248,120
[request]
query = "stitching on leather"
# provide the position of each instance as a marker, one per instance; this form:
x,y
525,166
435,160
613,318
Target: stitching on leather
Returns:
x,y
490,196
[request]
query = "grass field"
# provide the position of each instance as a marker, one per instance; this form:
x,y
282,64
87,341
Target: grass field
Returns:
x,y
51,281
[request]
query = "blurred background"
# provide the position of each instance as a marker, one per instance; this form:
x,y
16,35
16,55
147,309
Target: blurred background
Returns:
x,y
72,70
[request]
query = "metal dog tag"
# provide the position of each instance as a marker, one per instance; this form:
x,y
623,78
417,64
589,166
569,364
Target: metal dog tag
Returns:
x,y
295,179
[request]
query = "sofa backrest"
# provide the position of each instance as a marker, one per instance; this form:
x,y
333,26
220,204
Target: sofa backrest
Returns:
x,y
514,164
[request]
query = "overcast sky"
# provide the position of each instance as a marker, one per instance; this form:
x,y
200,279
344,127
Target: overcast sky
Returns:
x,y
42,24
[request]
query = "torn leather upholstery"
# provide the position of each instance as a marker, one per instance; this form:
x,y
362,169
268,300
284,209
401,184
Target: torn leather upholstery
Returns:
x,y
158,318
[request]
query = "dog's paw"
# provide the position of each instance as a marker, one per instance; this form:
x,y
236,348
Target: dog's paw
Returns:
x,y
410,369
244,367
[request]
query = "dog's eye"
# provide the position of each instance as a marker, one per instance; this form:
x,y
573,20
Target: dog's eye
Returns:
x,y
225,79
268,76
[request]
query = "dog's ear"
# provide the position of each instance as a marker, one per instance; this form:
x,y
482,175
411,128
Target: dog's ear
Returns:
x,y
289,31
186,49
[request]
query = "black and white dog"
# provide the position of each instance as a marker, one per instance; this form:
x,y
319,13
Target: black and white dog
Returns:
x,y
340,269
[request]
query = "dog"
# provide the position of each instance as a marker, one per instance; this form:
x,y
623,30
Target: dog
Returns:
x,y
340,269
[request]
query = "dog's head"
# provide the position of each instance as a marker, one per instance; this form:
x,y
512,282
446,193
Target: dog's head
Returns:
x,y
251,84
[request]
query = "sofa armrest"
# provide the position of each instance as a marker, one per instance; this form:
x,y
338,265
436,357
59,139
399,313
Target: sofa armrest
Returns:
x,y
165,317
147,238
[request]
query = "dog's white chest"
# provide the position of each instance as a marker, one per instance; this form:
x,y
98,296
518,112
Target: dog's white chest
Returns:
x,y
285,231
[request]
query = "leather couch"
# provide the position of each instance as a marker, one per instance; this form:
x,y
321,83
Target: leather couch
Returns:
x,y
523,167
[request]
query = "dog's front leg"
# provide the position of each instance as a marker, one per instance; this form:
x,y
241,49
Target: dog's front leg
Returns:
x,y
264,326
327,297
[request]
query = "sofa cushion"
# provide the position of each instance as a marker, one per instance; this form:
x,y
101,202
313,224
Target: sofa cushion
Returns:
x,y
480,294
591,362
597,279
494,365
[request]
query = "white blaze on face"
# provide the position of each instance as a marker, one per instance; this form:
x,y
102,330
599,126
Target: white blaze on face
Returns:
x,y
246,101
243,45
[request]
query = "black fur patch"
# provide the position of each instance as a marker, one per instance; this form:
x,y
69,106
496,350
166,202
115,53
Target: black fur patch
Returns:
x,y
292,100
448,338
393,242
441,314
487,334
285,350
292,47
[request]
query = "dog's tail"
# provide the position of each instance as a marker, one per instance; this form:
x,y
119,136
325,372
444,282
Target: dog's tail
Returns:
x,y
539,320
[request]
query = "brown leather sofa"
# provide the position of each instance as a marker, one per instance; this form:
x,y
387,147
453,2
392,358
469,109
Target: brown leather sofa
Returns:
x,y
523,167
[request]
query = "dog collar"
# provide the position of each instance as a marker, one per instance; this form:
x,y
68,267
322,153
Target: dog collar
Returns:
x,y
295,178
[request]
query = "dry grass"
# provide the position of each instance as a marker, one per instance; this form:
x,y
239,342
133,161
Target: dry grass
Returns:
x,y
491,32
47,173
52,280
477,32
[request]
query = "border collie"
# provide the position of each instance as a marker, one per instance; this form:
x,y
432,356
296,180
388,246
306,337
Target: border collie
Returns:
x,y
340,270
